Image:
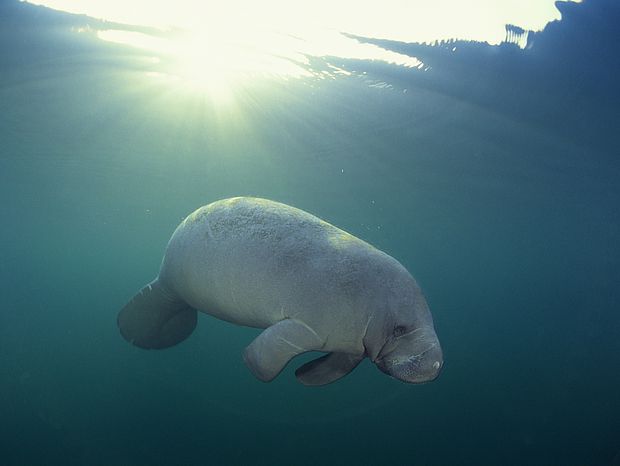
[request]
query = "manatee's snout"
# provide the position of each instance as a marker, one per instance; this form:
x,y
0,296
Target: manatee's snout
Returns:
x,y
413,360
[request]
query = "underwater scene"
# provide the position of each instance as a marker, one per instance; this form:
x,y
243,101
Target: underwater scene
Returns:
x,y
487,166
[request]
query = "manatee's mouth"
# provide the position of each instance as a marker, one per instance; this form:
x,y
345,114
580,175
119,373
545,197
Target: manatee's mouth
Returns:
x,y
421,367
413,360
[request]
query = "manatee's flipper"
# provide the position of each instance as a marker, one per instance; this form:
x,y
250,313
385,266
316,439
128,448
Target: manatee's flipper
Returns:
x,y
328,368
277,345
156,318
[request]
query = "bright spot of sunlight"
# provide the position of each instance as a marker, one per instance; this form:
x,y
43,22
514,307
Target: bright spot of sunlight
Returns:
x,y
212,45
216,61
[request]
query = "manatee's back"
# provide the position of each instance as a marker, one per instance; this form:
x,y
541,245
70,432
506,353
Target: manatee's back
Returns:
x,y
253,262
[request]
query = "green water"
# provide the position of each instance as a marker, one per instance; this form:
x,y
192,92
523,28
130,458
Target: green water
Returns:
x,y
501,198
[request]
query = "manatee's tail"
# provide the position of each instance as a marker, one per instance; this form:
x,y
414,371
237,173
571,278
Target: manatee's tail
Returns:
x,y
155,318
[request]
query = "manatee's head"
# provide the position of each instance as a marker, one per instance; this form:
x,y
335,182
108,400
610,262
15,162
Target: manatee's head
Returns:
x,y
401,338
413,356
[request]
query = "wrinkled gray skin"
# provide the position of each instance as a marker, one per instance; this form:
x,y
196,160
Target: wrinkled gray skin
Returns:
x,y
312,286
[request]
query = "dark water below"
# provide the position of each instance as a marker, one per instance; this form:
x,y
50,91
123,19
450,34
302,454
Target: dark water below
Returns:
x,y
494,179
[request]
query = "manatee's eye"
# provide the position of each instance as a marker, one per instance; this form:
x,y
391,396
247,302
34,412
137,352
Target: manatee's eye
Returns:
x,y
399,330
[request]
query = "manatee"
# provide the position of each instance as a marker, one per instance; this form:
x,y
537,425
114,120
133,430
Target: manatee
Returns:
x,y
309,284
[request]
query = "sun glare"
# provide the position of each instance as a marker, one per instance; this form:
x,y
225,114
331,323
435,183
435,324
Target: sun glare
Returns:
x,y
216,61
213,46
205,66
